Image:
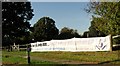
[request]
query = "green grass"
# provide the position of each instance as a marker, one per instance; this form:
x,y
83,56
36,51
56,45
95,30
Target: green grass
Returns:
x,y
61,57
19,58
13,60
78,56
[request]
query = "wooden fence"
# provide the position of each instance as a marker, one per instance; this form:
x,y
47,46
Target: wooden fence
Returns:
x,y
19,47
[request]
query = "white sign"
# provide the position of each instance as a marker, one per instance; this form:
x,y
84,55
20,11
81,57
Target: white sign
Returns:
x,y
73,45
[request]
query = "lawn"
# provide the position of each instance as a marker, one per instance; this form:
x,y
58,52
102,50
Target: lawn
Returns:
x,y
20,57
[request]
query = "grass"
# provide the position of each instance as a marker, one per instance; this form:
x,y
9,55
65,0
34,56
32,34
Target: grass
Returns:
x,y
13,60
61,57
19,58
78,56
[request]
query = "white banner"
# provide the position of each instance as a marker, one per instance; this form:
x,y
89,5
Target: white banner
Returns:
x,y
74,45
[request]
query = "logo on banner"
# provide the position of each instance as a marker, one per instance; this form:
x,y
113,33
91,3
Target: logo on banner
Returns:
x,y
101,45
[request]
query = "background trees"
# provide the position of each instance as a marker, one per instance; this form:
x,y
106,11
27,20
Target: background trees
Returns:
x,y
16,27
15,21
67,33
45,29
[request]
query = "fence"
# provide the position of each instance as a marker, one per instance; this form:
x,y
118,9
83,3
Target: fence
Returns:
x,y
19,47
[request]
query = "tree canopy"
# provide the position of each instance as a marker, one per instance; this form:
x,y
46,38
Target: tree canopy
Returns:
x,y
45,29
15,20
106,17
67,33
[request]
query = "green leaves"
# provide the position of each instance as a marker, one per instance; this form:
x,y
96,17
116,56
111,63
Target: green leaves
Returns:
x,y
45,29
67,33
108,21
15,19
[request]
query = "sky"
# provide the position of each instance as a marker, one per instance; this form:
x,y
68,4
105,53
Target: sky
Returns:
x,y
65,14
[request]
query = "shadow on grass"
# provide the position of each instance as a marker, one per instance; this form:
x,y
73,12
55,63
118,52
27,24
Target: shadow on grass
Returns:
x,y
107,62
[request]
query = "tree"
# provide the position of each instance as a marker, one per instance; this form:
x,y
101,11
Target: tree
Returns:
x,y
67,33
93,30
45,29
106,16
15,20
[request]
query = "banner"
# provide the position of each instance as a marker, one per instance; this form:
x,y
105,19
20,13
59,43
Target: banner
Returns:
x,y
74,45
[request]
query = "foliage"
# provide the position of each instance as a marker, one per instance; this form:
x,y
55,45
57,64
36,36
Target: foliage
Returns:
x,y
67,33
93,29
45,29
15,20
106,17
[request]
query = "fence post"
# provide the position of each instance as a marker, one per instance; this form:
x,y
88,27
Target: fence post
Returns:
x,y
28,50
111,42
